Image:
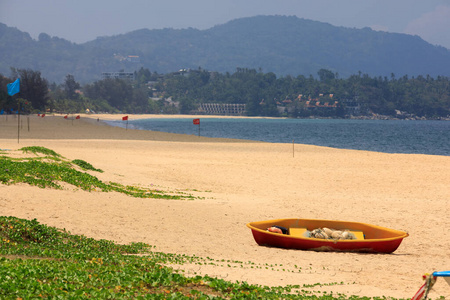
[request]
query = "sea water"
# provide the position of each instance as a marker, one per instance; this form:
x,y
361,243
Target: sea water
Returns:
x,y
389,136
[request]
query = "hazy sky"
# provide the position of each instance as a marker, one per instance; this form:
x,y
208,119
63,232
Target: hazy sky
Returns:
x,y
84,20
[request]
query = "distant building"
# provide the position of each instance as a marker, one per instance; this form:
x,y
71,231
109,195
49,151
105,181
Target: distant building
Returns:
x,y
314,104
352,107
129,58
222,109
119,75
185,72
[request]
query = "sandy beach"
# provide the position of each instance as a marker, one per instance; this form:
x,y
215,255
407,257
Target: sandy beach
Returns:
x,y
236,182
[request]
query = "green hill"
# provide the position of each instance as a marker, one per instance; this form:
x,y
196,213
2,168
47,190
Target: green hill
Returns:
x,y
280,44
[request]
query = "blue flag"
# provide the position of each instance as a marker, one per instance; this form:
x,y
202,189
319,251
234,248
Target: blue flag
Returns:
x,y
14,88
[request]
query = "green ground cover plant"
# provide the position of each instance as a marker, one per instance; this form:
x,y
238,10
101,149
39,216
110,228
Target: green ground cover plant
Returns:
x,y
40,150
47,169
85,165
42,262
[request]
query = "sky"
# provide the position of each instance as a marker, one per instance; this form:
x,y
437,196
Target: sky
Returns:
x,y
80,21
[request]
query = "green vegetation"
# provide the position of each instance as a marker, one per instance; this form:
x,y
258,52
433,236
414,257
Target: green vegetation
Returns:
x,y
300,50
51,169
38,261
263,94
85,165
41,150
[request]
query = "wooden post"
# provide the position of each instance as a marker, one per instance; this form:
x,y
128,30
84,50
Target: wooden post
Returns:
x,y
293,150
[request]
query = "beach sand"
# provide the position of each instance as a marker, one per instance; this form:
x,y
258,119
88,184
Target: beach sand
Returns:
x,y
237,182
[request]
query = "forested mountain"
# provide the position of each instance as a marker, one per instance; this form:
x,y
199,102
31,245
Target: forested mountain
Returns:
x,y
279,44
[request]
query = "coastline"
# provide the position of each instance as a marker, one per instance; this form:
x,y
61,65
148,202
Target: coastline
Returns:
x,y
117,117
237,182
89,127
387,136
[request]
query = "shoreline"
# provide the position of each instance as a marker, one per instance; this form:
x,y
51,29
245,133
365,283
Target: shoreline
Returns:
x,y
84,128
53,127
236,182
377,135
176,116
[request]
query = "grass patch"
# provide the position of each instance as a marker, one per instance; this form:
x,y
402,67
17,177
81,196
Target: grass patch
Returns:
x,y
38,261
85,165
52,169
41,150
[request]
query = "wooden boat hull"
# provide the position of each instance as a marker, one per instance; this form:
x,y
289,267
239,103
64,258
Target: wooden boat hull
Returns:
x,y
376,239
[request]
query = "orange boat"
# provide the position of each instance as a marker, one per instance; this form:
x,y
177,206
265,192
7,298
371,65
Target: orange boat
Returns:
x,y
365,237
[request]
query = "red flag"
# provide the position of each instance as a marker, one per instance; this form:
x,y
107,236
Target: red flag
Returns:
x,y
77,117
39,115
43,115
125,118
65,117
196,121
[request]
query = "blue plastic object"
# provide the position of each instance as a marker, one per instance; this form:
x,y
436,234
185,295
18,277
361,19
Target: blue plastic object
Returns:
x,y
442,274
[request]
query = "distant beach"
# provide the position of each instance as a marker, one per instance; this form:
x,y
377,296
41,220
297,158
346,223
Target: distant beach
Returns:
x,y
236,182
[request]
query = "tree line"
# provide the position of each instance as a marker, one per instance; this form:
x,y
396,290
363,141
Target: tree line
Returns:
x,y
264,94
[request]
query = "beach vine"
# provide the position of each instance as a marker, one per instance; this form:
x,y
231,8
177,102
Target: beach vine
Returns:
x,y
38,261
48,169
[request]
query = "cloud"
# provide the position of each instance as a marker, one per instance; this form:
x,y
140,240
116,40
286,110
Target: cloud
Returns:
x,y
432,26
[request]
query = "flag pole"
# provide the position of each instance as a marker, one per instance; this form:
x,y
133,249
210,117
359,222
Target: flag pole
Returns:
x,y
293,150
18,120
197,122
125,118
13,89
